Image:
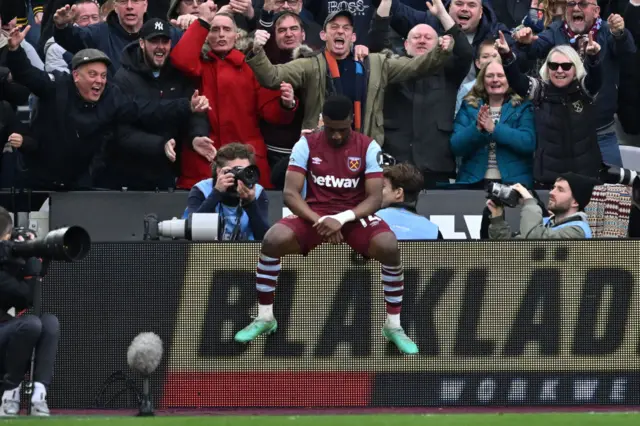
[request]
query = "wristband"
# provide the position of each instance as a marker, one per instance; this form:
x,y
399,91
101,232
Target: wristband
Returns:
x,y
344,217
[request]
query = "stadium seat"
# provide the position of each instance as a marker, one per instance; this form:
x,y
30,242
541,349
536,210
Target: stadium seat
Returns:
x,y
630,157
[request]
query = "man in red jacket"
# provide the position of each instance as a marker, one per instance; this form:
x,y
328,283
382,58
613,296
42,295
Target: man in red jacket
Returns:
x,y
237,100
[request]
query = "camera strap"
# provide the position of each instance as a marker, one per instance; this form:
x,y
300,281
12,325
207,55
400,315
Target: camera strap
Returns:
x,y
222,221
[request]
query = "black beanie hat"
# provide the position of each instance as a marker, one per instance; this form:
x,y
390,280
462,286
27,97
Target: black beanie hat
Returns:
x,y
10,9
581,187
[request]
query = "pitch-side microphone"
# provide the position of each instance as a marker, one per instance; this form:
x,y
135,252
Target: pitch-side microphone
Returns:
x,y
144,356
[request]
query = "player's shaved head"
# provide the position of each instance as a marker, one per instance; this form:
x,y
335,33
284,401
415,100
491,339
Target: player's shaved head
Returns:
x,y
337,108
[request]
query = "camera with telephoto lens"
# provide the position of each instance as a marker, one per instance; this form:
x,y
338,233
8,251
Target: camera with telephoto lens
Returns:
x,y
503,195
617,175
196,227
70,244
622,176
249,176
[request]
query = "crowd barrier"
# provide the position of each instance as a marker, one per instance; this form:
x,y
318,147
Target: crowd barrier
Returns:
x,y
504,323
118,216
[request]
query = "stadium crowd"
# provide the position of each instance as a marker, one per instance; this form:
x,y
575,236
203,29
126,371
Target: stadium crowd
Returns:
x,y
469,91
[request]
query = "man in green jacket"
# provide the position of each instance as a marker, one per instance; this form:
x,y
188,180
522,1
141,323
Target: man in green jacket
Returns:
x,y
570,195
336,71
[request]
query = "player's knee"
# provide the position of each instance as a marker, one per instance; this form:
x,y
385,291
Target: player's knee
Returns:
x,y
384,249
276,240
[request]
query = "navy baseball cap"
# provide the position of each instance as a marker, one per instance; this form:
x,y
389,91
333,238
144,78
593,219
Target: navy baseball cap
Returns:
x,y
155,28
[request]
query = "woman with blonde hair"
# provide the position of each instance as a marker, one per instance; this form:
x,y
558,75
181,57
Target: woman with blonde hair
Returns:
x,y
493,134
563,97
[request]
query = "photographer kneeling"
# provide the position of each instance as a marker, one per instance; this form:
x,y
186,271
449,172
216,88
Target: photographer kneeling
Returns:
x,y
20,334
570,195
234,194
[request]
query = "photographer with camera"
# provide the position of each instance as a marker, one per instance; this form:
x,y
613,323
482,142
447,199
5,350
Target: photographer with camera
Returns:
x,y
20,334
234,194
570,195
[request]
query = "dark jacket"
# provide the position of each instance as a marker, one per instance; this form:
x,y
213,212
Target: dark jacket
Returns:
x,y
418,114
10,91
511,12
159,8
109,37
404,18
10,9
136,159
567,140
612,49
629,88
608,7
72,132
362,10
15,292
11,158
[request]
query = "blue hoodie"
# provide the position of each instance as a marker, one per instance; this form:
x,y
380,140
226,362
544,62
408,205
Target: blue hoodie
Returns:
x,y
404,17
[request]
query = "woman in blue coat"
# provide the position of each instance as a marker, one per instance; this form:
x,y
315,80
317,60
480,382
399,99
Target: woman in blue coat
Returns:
x,y
494,133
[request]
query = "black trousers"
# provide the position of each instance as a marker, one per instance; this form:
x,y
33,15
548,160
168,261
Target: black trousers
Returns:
x,y
18,338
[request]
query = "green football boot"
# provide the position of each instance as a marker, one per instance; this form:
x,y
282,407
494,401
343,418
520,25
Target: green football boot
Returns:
x,y
400,339
257,328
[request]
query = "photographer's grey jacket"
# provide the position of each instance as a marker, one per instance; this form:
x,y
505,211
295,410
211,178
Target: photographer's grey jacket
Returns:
x,y
532,225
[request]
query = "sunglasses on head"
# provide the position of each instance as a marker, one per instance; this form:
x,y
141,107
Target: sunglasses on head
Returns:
x,y
566,66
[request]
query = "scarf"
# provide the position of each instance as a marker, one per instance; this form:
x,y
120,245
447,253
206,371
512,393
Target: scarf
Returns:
x,y
579,41
336,85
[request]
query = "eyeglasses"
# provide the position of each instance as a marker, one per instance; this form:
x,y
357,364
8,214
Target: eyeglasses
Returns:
x,y
196,2
582,5
566,66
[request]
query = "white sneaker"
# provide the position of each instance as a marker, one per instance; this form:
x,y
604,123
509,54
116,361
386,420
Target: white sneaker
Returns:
x,y
9,408
40,408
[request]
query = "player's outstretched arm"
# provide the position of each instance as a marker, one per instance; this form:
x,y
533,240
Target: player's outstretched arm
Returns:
x,y
292,194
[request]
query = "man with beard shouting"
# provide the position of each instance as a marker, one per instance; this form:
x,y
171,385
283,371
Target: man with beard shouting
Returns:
x,y
145,158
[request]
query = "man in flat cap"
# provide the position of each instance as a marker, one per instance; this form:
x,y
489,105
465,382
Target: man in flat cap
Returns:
x,y
75,114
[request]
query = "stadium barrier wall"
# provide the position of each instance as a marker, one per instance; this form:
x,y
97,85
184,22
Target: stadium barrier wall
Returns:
x,y
497,323
118,216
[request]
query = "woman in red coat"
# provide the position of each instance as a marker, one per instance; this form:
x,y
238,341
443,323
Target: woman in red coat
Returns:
x,y
236,98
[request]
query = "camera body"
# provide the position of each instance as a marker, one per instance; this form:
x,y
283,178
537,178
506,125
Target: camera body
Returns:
x,y
25,233
249,176
503,195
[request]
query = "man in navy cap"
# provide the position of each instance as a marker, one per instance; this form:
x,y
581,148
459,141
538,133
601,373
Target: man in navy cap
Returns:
x,y
144,157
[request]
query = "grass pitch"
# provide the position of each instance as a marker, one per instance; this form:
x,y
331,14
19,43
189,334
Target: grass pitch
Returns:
x,y
552,419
